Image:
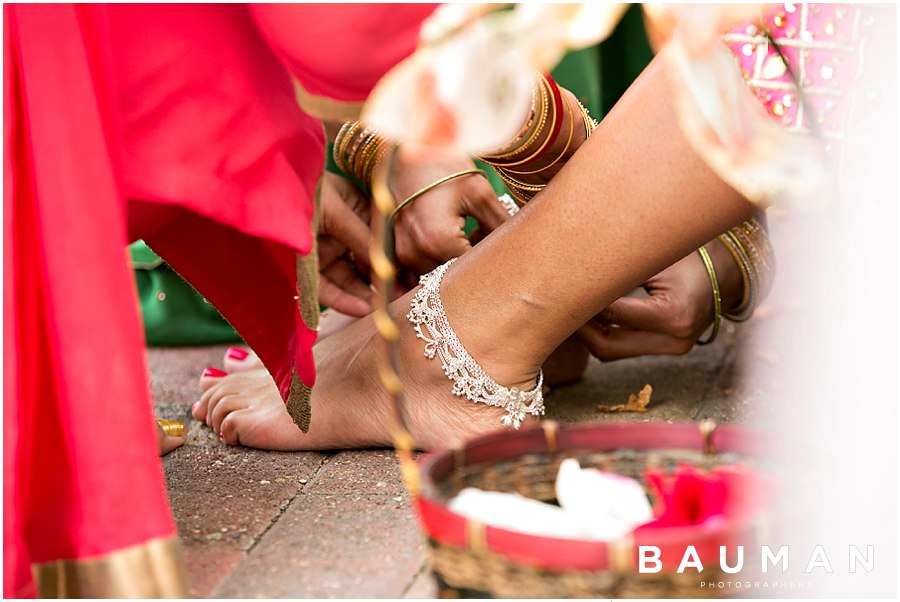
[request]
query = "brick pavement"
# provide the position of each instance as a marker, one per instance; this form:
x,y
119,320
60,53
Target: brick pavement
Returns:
x,y
308,524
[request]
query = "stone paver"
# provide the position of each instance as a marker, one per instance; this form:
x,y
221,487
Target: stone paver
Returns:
x,y
360,471
228,494
307,524
334,545
208,564
680,384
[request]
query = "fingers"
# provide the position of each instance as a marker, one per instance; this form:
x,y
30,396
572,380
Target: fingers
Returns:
x,y
424,244
348,228
347,294
482,204
641,313
610,344
659,312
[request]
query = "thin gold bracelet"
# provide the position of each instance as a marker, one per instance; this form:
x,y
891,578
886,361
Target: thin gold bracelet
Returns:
x,y
717,296
432,186
744,310
523,186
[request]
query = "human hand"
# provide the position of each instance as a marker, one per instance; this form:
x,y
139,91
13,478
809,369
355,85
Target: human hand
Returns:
x,y
344,234
429,231
676,311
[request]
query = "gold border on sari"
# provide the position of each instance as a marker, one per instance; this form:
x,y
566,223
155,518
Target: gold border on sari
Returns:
x,y
324,107
153,569
298,403
308,269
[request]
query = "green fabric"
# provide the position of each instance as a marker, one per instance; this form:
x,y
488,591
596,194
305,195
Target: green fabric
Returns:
x,y
174,313
579,73
623,55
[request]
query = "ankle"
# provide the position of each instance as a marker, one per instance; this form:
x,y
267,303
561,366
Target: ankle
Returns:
x,y
493,335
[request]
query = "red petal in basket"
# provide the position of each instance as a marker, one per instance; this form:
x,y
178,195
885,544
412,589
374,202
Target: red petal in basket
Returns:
x,y
692,497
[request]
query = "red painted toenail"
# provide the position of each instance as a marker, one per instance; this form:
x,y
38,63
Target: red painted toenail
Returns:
x,y
212,373
236,353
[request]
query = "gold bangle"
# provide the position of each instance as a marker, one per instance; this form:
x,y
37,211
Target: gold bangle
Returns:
x,y
359,162
753,239
171,428
341,146
511,181
548,128
533,129
432,186
545,102
377,155
740,313
360,156
356,147
520,199
526,127
590,124
561,155
717,296
338,141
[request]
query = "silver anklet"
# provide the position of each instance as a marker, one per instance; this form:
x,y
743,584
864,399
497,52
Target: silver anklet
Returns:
x,y
469,379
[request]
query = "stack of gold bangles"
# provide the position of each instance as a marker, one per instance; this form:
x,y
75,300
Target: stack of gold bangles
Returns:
x,y
749,245
536,138
357,149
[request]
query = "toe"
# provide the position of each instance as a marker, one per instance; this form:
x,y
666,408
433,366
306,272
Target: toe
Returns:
x,y
238,359
230,428
209,377
201,406
225,406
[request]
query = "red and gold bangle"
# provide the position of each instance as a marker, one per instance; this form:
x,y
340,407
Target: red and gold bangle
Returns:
x,y
535,133
561,154
555,127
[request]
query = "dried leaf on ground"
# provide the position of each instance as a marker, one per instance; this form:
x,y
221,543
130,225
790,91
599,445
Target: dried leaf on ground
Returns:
x,y
635,403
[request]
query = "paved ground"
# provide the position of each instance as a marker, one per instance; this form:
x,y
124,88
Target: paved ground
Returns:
x,y
320,525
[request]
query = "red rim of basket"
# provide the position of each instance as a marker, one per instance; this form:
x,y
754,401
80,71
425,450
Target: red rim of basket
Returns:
x,y
450,528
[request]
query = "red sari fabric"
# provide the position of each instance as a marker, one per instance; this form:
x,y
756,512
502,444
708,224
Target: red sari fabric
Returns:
x,y
176,124
340,51
81,476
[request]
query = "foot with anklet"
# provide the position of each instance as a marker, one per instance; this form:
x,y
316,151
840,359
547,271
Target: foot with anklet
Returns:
x,y
350,407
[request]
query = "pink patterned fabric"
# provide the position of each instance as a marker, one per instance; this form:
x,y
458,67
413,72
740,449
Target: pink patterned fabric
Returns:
x,y
824,45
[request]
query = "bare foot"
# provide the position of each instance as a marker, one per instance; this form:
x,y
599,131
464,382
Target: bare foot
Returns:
x,y
349,406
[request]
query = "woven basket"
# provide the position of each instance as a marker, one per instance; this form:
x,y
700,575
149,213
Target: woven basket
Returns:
x,y
473,560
